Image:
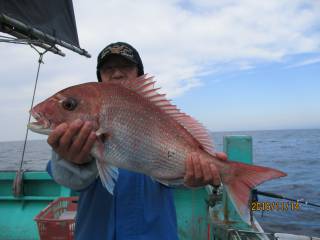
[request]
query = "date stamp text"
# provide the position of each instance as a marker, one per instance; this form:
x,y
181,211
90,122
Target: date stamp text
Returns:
x,y
274,206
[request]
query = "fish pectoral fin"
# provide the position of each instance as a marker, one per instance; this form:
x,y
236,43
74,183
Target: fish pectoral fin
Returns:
x,y
102,135
98,150
245,178
108,175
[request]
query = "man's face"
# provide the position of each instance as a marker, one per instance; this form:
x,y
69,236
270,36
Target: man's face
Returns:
x,y
118,68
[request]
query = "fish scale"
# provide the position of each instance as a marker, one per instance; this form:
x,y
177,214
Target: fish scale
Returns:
x,y
140,130
152,154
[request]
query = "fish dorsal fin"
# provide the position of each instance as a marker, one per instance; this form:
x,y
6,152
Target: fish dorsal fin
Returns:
x,y
144,86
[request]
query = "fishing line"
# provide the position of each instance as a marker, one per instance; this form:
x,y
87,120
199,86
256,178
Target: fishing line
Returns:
x,y
18,181
256,192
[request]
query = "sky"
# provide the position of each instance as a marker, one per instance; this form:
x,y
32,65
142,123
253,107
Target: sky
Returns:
x,y
233,65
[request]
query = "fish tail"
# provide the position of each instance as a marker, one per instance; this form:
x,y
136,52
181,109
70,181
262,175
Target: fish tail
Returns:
x,y
244,178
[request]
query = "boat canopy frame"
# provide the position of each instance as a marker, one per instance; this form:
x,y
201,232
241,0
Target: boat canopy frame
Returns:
x,y
30,35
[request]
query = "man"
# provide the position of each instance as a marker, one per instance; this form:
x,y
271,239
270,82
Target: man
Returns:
x,y
140,207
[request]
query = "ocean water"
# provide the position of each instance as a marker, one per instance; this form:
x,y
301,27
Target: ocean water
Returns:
x,y
296,152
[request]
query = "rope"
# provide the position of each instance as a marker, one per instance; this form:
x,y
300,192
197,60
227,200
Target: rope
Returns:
x,y
18,181
27,41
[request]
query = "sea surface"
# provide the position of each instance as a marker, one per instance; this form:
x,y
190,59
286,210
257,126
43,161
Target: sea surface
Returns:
x,y
296,152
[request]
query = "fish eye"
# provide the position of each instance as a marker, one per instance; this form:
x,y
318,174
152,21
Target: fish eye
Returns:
x,y
69,104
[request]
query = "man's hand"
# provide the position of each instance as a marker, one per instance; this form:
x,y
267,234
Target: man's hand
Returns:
x,y
200,172
74,142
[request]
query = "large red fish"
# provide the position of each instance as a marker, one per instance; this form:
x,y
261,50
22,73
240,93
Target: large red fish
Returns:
x,y
141,131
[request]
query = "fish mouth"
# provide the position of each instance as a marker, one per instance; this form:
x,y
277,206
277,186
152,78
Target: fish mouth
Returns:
x,y
42,124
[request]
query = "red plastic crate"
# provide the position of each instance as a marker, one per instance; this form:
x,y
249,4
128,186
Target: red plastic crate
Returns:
x,y
57,220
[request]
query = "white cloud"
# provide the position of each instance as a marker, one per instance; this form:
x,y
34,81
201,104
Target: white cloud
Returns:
x,y
305,62
187,36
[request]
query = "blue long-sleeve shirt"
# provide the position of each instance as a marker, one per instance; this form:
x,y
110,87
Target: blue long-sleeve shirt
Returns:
x,y
140,209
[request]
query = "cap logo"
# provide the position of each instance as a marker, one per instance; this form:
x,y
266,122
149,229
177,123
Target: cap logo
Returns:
x,y
118,49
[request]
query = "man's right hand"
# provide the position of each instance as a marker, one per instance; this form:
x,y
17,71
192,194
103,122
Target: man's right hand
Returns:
x,y
73,142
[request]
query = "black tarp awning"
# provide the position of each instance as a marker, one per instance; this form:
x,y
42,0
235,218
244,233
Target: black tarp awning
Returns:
x,y
49,21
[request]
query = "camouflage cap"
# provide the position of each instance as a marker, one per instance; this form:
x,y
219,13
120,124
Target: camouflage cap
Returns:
x,y
123,49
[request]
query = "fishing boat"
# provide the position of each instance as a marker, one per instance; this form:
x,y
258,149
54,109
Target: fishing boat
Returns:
x,y
202,213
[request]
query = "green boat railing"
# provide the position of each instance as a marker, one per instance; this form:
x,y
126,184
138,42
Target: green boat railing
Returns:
x,y
17,213
196,220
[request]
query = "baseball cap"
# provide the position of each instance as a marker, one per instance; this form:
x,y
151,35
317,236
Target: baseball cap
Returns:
x,y
121,49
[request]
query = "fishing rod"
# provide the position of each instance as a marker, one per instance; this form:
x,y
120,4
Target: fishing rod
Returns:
x,y
273,195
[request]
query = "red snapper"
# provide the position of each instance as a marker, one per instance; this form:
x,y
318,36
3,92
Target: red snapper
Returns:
x,y
140,130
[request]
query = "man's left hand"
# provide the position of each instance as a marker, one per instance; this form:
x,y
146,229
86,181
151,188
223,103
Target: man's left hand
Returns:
x,y
200,172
